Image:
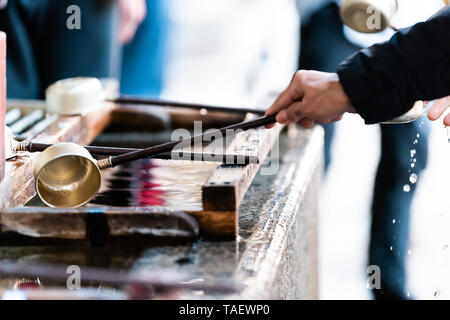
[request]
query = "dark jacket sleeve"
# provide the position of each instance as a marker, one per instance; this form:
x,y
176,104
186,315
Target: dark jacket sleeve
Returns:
x,y
385,80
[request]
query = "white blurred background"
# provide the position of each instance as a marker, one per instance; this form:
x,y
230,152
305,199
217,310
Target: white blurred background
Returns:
x,y
347,196
231,51
345,216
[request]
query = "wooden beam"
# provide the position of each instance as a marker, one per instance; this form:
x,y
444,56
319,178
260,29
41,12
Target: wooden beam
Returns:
x,y
216,223
98,224
227,186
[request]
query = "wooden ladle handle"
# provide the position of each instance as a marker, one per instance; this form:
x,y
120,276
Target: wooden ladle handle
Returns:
x,y
183,155
168,146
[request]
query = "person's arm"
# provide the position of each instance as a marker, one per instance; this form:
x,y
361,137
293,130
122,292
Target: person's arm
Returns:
x,y
385,80
380,83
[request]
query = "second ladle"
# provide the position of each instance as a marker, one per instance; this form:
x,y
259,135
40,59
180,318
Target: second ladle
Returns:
x,y
68,176
76,96
13,146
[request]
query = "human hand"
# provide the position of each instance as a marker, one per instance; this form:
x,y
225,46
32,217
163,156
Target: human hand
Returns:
x,y
132,13
438,109
311,97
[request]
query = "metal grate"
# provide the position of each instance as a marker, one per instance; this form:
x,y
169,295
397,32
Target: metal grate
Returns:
x,y
27,124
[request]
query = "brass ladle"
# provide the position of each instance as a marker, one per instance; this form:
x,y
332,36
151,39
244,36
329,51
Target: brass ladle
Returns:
x,y
68,176
359,14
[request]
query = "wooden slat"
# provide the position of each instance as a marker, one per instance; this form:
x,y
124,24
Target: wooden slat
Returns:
x,y
216,223
228,184
98,223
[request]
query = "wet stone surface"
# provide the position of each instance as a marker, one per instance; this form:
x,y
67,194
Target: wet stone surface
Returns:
x,y
206,258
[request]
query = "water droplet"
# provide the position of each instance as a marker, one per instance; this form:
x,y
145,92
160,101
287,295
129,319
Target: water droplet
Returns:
x,y
408,295
413,152
418,135
413,165
413,178
409,252
415,160
203,112
391,248
406,188
393,221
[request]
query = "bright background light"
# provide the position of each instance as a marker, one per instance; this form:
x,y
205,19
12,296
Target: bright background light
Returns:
x,y
230,51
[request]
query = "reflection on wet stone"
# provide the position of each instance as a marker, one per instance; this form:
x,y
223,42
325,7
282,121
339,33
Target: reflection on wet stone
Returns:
x,y
163,183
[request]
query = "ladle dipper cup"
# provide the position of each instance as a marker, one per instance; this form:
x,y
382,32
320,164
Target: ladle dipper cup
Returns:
x,y
68,176
77,96
368,16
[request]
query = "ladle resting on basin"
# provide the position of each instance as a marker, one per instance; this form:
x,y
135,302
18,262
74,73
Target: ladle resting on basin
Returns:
x,y
68,176
80,95
76,96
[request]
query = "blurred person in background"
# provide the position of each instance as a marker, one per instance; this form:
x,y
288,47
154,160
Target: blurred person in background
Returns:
x,y
42,49
324,44
145,54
